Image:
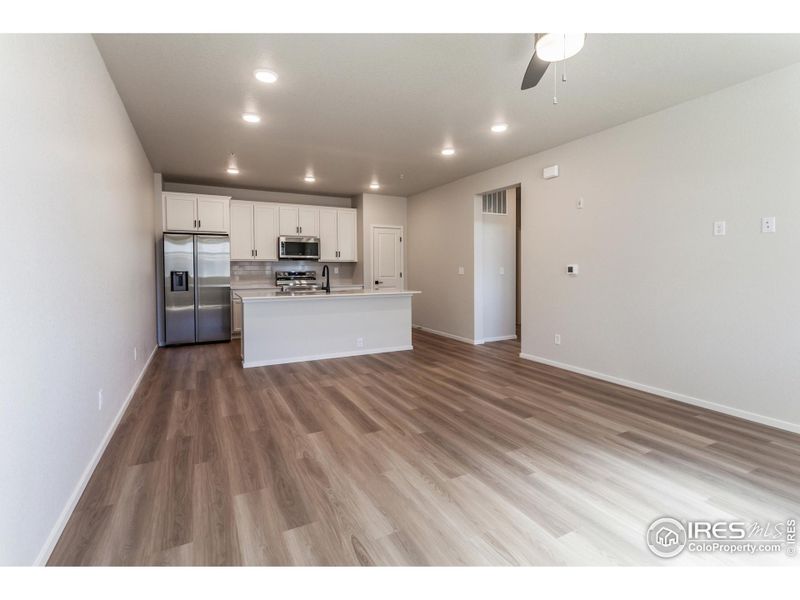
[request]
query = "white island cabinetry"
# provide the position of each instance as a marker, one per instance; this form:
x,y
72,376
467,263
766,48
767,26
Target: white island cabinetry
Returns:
x,y
279,328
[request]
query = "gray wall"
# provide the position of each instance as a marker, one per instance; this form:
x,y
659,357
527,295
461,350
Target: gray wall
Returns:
x,y
377,209
660,301
259,195
79,268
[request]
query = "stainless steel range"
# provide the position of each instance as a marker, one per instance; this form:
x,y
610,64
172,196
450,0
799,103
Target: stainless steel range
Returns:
x,y
297,281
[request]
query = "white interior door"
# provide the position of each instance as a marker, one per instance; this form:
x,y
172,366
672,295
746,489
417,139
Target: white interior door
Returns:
x,y
387,258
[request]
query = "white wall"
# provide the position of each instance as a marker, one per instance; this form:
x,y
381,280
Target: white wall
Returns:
x,y
496,291
377,209
78,270
659,300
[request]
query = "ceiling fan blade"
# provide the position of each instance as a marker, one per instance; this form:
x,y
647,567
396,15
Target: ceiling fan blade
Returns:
x,y
534,72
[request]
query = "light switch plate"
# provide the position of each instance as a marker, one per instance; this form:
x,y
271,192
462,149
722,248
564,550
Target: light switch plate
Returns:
x,y
460,270
580,202
767,224
719,227
502,270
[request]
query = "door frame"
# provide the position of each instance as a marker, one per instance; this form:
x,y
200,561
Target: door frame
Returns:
x,y
372,253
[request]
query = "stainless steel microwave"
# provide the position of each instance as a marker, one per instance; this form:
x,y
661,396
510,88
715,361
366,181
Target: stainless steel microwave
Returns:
x,y
299,248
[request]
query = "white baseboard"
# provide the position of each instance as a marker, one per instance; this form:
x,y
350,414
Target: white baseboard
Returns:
x,y
283,361
58,528
498,338
728,410
447,335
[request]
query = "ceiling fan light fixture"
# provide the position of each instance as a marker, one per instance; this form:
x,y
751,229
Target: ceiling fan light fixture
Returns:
x,y
554,47
233,166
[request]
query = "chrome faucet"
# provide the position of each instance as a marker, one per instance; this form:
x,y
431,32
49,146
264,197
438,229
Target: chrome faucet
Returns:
x,y
326,273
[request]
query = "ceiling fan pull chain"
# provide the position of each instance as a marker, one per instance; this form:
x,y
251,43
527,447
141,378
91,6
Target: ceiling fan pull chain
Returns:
x,y
564,73
555,83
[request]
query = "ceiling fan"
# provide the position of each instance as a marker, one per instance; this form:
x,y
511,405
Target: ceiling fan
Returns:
x,y
548,48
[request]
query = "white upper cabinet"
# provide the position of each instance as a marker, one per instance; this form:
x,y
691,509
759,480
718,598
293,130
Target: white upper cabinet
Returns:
x,y
242,230
265,231
299,220
212,214
346,233
196,213
337,235
254,231
288,220
328,236
308,219
180,212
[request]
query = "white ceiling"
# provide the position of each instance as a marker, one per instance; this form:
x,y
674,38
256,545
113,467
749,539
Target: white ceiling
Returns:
x,y
352,107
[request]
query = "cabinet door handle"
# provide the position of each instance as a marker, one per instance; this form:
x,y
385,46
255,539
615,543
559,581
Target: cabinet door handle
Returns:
x,y
194,224
256,251
301,230
198,224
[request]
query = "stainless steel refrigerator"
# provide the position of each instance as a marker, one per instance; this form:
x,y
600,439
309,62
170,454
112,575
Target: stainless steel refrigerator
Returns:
x,y
197,288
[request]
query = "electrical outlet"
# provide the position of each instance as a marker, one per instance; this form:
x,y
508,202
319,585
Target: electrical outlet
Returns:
x,y
767,224
360,342
335,270
719,227
460,270
557,339
100,399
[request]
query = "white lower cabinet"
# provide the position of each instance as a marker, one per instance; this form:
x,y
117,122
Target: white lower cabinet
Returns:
x,y
236,317
337,234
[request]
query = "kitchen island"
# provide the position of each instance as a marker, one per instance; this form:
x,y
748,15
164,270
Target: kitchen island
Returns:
x,y
284,327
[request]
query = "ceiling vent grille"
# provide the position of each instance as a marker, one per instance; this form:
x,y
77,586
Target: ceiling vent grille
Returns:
x,y
494,203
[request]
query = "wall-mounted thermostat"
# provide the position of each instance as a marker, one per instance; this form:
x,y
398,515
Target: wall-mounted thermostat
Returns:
x,y
550,172
572,269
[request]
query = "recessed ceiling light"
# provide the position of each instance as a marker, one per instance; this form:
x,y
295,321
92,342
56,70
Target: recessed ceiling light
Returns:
x,y
448,151
233,171
499,127
309,179
251,117
374,186
266,75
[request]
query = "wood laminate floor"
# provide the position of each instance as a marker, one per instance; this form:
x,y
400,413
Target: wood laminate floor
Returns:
x,y
445,455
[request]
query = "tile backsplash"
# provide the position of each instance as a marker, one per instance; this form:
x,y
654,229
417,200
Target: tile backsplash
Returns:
x,y
255,272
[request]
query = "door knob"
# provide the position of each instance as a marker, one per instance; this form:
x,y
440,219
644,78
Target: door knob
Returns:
x,y
378,282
